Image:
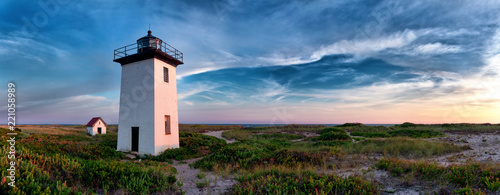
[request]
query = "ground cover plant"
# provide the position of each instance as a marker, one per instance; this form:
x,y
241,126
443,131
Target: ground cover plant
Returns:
x,y
270,149
403,147
332,136
276,181
285,136
251,153
81,146
61,172
239,135
416,133
207,128
293,129
454,127
288,159
472,177
403,130
192,145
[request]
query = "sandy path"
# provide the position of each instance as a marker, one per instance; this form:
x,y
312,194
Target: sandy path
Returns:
x,y
485,147
218,134
212,183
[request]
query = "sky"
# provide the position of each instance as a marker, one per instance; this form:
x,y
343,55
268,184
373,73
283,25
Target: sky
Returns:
x,y
260,61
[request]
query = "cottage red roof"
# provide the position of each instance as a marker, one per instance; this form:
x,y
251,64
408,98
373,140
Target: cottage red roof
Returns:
x,y
94,120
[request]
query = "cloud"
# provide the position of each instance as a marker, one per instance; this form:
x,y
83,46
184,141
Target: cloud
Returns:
x,y
367,46
270,90
75,109
277,59
19,47
436,49
196,88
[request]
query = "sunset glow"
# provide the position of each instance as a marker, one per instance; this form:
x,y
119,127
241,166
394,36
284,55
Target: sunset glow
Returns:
x,y
266,62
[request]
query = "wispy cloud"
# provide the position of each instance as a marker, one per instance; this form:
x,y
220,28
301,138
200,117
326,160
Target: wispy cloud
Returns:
x,y
436,49
367,46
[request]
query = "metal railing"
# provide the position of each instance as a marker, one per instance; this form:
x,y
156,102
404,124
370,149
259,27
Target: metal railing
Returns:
x,y
154,44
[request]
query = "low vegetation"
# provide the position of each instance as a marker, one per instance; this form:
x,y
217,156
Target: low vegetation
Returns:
x,y
192,145
455,127
404,130
277,149
207,128
403,147
76,164
287,159
466,178
276,181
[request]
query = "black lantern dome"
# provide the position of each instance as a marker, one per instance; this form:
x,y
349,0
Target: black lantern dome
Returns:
x,y
147,47
148,42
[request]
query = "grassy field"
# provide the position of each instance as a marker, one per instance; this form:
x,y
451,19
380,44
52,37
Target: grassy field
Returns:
x,y
290,159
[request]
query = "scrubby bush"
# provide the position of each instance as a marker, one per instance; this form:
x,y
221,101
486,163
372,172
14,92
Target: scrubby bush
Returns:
x,y
332,129
375,134
351,125
285,136
467,177
332,134
192,145
237,134
63,174
416,133
85,147
250,153
207,128
290,182
403,147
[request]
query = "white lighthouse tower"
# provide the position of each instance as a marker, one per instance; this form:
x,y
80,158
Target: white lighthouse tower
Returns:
x,y
148,121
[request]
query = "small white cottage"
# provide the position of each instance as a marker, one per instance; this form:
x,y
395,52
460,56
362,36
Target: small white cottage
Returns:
x,y
96,126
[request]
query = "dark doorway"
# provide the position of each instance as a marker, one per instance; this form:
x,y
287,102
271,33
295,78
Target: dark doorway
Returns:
x,y
98,130
135,139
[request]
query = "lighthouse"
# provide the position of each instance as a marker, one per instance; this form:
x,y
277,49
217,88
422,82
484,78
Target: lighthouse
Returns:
x,y
148,118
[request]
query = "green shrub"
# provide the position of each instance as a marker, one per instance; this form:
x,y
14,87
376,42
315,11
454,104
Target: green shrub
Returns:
x,y
363,134
332,129
331,136
250,153
408,124
285,136
351,125
333,143
63,174
493,184
306,182
237,134
467,177
192,145
416,133
207,128
403,147
85,147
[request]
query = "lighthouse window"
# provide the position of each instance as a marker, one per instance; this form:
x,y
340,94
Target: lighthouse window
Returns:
x,y
165,74
167,124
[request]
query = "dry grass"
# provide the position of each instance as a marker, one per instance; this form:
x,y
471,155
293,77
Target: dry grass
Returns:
x,y
50,129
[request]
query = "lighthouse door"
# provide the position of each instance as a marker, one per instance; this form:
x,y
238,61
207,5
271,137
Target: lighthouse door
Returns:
x,y
135,139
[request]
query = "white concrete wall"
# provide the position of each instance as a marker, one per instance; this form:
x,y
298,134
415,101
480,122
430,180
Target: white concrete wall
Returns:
x,y
145,99
137,106
165,104
93,130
